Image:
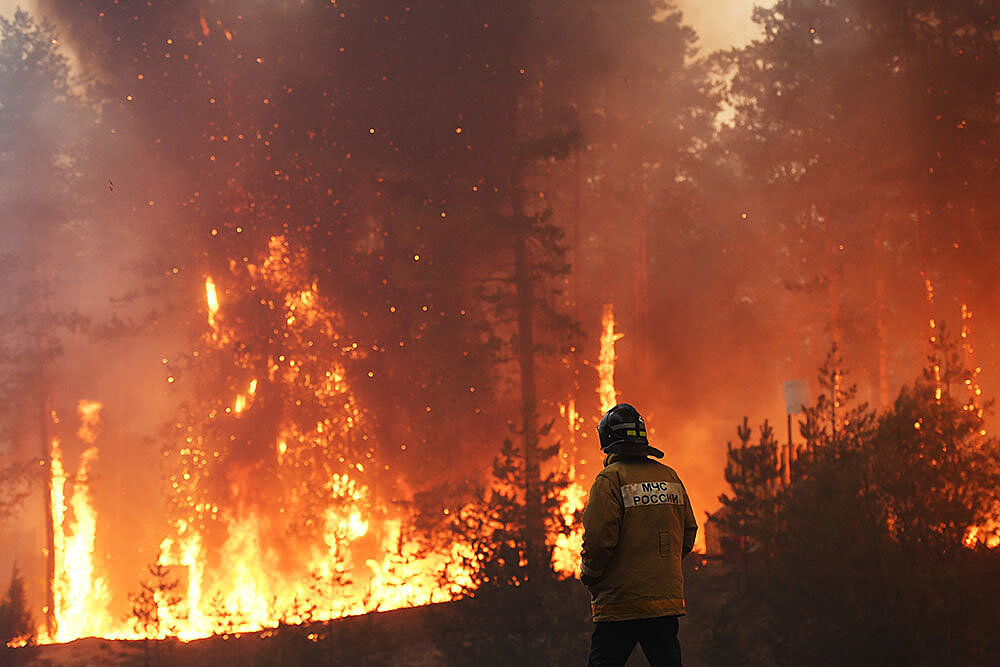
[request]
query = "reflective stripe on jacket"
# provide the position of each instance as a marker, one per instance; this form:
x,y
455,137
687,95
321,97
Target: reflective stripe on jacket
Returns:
x,y
637,526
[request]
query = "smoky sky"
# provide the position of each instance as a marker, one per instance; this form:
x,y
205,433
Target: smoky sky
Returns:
x,y
726,306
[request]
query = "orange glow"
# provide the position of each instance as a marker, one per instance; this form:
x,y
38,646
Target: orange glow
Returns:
x,y
566,547
212,301
986,535
234,574
235,580
606,360
974,402
79,596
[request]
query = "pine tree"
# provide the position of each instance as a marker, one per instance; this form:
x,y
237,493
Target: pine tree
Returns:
x,y
753,471
40,127
155,594
513,609
877,551
16,625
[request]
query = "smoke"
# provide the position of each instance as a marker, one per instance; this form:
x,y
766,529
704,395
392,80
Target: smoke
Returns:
x,y
191,175
722,24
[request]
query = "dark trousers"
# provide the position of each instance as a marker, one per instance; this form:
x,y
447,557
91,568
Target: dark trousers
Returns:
x,y
613,642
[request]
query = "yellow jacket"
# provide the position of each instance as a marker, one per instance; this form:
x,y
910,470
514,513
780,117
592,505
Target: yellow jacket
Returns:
x,y
637,526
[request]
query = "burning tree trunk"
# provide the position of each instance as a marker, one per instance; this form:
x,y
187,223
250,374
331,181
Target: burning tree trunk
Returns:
x,y
46,471
606,359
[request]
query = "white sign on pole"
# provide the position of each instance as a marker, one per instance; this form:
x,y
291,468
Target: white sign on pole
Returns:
x,y
796,396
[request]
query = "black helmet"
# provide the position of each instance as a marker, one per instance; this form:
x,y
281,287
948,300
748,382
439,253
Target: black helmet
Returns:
x,y
622,431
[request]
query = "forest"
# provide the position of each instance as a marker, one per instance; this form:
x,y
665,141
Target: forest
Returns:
x,y
310,310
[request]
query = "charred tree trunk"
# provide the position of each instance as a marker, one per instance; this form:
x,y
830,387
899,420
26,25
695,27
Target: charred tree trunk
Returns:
x,y
534,537
525,299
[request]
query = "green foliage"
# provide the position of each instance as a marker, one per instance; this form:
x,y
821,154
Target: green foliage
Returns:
x,y
753,472
493,522
866,560
529,620
15,616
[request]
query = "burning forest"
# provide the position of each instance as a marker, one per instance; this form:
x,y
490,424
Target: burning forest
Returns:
x,y
311,310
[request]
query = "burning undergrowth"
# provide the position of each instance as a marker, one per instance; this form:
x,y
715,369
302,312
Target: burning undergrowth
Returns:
x,y
274,515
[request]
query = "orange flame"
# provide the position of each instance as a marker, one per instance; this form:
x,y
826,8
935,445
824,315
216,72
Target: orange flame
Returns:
x,y
212,301
80,598
606,360
235,580
567,543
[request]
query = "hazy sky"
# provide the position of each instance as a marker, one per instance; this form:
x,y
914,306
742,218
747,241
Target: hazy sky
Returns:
x,y
7,7
720,23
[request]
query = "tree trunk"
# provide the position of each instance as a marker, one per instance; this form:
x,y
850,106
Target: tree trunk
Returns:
x,y
46,470
535,523
519,13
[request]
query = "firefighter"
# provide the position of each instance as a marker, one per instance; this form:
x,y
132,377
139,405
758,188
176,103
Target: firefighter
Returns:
x,y
637,526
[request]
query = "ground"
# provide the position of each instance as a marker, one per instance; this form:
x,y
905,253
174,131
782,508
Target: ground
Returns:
x,y
418,637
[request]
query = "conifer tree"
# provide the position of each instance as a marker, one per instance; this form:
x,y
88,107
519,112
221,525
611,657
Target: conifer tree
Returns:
x,y
878,550
16,624
154,594
41,119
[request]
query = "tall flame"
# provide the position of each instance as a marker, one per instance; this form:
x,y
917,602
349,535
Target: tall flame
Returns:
x,y
212,301
566,545
80,598
606,359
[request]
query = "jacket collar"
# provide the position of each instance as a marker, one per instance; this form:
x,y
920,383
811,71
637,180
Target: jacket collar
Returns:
x,y
623,450
614,458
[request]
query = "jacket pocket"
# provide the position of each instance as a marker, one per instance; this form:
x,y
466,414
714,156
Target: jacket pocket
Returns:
x,y
665,544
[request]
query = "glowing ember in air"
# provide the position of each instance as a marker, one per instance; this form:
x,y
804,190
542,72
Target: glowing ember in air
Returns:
x,y
606,359
975,402
569,412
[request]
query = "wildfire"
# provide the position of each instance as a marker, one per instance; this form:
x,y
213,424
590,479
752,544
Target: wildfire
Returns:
x,y
80,598
567,544
606,360
236,571
211,300
566,549
975,402
976,535
321,545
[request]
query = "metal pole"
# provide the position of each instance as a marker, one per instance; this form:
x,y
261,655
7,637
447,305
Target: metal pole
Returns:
x,y
788,454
